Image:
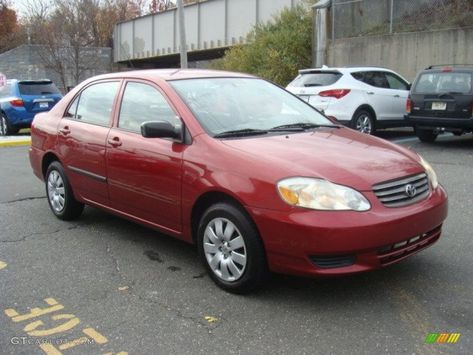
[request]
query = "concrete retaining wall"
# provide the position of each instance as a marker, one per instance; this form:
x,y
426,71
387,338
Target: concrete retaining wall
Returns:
x,y
25,63
406,53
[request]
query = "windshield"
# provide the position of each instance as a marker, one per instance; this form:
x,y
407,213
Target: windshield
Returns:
x,y
444,82
38,88
232,104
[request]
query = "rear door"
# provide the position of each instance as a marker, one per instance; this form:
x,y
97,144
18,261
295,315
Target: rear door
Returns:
x,y
38,96
378,93
145,174
82,140
443,94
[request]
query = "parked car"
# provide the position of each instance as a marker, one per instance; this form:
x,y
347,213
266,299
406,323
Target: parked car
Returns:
x,y
20,100
364,98
441,100
254,176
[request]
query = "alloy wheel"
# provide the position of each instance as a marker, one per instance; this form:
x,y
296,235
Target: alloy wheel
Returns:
x,y
364,124
56,191
225,249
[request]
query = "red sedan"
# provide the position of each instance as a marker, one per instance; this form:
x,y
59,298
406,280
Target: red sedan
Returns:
x,y
253,175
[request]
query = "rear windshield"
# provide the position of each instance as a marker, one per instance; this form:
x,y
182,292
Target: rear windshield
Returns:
x,y
38,88
444,82
316,79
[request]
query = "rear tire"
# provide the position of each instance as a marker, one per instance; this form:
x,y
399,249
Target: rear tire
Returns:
x,y
59,193
231,249
426,135
363,121
5,128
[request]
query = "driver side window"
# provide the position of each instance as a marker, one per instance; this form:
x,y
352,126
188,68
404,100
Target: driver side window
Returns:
x,y
143,103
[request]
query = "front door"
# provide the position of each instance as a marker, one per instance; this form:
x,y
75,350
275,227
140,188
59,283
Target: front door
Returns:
x,y
144,174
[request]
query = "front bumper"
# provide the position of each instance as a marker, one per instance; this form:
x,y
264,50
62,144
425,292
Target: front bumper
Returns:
x,y
305,242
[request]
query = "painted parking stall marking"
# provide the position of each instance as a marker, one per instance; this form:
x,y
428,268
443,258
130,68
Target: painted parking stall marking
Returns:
x,y
36,330
442,338
3,265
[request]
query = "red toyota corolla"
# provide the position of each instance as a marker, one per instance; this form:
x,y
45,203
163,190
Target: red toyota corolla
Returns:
x,y
253,175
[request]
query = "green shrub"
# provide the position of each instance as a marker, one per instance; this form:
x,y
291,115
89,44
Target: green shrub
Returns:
x,y
276,50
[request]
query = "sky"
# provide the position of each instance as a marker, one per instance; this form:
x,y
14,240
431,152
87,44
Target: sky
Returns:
x,y
19,6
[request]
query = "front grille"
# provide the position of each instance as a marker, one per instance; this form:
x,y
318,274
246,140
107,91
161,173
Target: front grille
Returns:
x,y
330,262
392,253
402,192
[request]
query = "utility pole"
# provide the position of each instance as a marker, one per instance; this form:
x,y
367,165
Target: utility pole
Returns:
x,y
182,34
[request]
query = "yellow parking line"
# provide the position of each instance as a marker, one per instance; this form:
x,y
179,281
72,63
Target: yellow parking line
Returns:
x,y
3,265
16,143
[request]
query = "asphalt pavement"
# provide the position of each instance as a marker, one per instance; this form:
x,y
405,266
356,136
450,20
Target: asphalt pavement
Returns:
x,y
103,285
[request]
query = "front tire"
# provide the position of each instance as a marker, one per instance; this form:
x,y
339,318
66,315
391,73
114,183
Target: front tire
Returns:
x,y
59,193
231,249
363,121
426,135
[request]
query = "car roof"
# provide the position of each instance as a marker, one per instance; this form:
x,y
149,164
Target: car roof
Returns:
x,y
43,81
344,70
173,74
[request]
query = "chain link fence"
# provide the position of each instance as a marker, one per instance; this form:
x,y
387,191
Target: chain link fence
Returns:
x,y
351,18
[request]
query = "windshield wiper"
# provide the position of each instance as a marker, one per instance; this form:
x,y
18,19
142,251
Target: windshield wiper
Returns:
x,y
241,133
301,126
312,85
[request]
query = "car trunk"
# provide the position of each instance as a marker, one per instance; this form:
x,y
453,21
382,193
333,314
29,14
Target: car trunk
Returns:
x,y
442,105
38,96
443,95
309,83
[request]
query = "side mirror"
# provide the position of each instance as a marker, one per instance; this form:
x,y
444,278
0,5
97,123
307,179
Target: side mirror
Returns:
x,y
162,129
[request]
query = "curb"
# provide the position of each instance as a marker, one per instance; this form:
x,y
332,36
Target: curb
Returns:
x,y
16,143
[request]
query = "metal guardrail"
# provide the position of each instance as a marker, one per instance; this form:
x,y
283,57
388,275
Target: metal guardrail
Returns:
x,y
210,24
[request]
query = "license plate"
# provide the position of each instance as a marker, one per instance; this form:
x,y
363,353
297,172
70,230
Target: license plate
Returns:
x,y
43,105
439,106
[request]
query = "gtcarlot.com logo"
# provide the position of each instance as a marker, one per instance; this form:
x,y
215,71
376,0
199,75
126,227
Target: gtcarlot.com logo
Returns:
x,y
450,338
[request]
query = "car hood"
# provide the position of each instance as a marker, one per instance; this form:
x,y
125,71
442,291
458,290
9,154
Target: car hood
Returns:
x,y
341,155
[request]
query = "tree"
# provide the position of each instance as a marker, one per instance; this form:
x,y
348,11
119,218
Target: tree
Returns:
x,y
276,50
11,33
71,32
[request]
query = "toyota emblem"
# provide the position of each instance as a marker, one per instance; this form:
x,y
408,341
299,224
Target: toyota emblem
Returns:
x,y
410,190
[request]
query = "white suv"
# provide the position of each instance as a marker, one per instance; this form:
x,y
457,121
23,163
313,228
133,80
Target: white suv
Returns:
x,y
364,98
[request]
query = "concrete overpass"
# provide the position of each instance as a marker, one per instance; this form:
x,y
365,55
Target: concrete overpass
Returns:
x,y
211,27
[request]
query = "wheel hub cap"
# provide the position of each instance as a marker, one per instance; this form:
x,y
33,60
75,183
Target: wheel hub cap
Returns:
x,y
225,249
56,193
363,124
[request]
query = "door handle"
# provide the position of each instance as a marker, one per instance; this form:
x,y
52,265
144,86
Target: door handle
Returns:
x,y
397,95
65,130
370,93
115,142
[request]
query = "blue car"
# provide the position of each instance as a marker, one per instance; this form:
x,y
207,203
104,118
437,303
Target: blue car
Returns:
x,y
20,100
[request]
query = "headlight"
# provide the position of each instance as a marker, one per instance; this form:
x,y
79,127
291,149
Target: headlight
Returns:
x,y
430,172
321,194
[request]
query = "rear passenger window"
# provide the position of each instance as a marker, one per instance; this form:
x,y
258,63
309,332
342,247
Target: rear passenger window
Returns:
x,y
373,78
96,103
143,103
